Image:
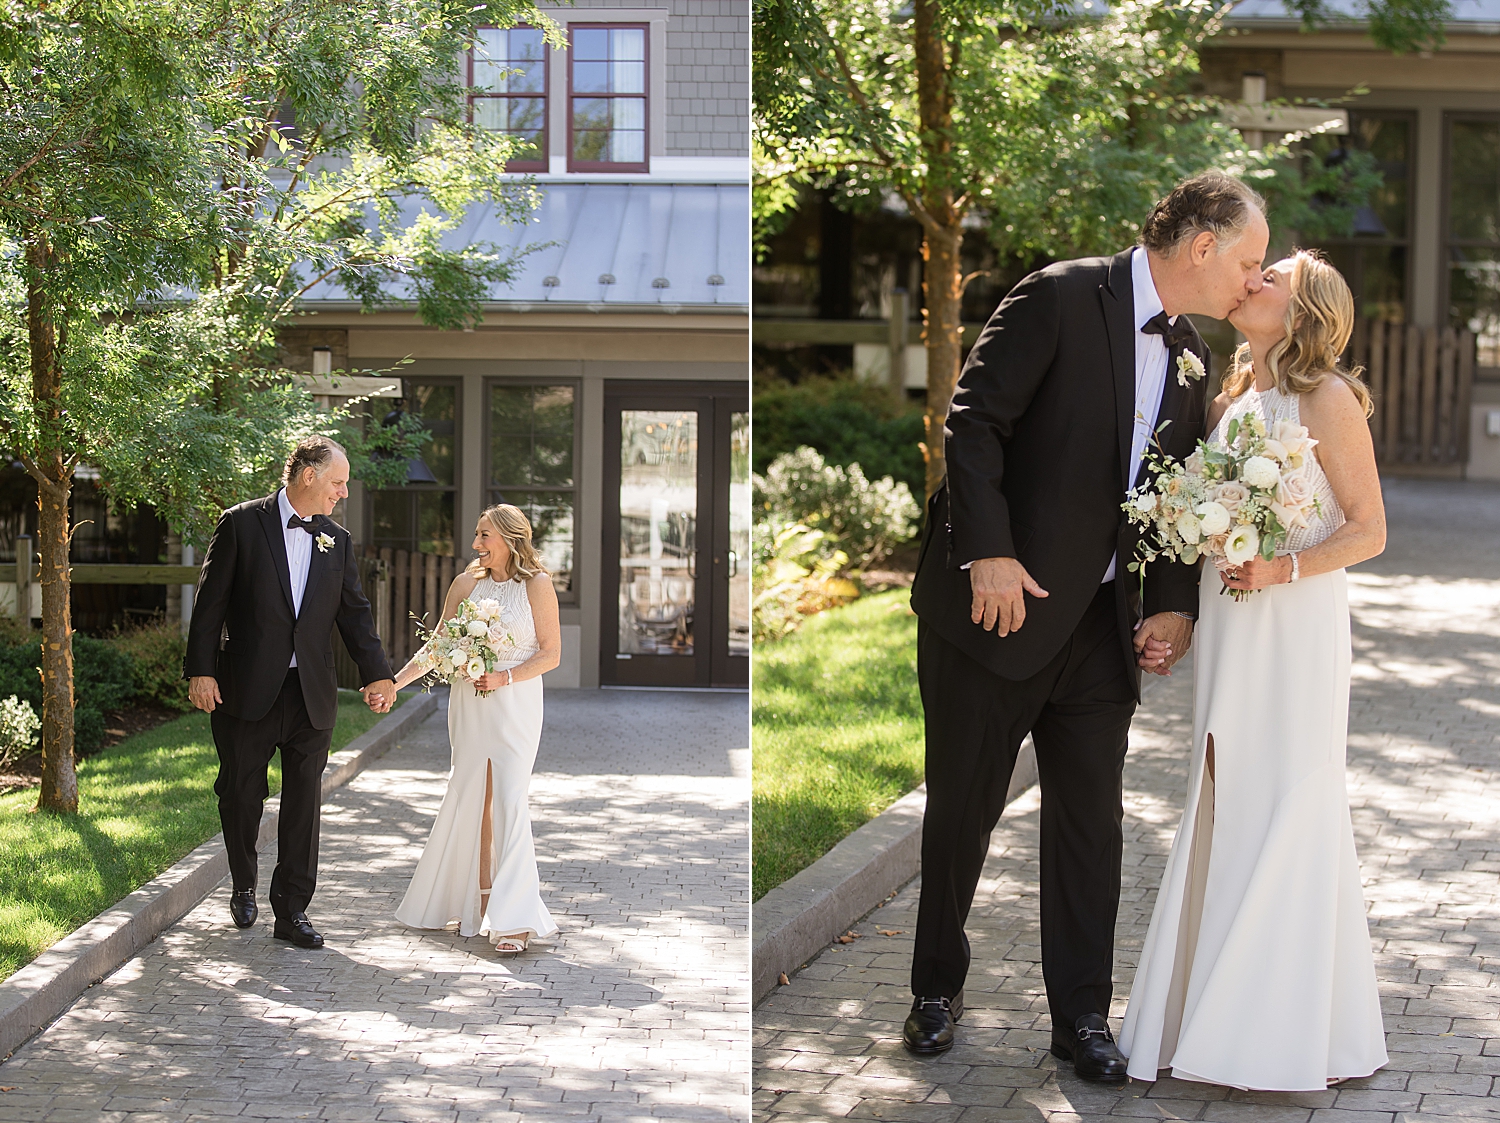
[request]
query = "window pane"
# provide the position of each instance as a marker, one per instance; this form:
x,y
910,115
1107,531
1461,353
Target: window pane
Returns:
x,y
627,77
435,406
1388,141
591,77
628,113
739,534
525,45
627,148
591,113
434,518
591,43
658,531
531,435
551,518
627,43
1474,181
591,146
391,521
1474,299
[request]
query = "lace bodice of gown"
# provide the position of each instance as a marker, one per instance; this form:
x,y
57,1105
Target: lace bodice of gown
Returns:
x,y
518,620
1272,406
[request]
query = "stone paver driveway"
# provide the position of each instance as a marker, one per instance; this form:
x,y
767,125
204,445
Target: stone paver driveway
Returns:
x,y
637,1009
1425,728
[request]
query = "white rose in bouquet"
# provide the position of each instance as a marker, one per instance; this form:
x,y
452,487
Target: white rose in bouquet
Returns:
x,y
478,628
1213,518
1194,464
1261,472
1230,494
1188,527
1289,443
487,609
1242,544
499,637
1294,496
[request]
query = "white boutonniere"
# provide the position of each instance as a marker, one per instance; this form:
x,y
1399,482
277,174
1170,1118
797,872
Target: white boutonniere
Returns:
x,y
1189,367
324,541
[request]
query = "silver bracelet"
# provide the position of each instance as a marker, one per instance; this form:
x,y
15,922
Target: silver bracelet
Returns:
x,y
1188,616
1296,568
509,678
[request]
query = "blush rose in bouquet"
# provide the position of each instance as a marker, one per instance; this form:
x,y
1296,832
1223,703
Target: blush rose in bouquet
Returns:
x,y
1226,504
469,646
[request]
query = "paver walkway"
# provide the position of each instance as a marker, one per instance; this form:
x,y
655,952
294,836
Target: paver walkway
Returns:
x,y
1425,787
638,1008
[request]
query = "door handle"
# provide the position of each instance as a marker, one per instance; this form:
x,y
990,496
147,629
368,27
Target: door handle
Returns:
x,y
734,564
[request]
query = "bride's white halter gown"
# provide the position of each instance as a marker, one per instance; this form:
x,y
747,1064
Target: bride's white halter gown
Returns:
x,y
1257,970
501,732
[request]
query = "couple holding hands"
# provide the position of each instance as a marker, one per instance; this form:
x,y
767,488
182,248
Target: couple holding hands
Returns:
x,y
279,576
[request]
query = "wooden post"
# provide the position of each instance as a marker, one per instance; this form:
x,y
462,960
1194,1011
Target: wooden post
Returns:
x,y
1426,425
1378,387
896,341
1466,356
401,628
25,563
387,611
1411,388
1447,419
430,590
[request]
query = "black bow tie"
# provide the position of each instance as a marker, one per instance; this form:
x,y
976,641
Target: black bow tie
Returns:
x,y
1175,334
309,525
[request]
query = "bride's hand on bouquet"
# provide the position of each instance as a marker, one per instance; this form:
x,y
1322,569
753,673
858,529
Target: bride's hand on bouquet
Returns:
x,y
1257,573
493,680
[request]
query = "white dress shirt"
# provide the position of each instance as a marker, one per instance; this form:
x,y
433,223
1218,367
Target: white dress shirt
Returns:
x,y
299,546
1150,368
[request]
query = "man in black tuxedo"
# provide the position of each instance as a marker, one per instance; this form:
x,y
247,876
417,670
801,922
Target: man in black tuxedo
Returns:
x,y
278,577
1074,374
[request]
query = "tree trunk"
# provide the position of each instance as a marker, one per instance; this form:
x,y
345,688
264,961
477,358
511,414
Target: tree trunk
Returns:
x,y
59,791
942,232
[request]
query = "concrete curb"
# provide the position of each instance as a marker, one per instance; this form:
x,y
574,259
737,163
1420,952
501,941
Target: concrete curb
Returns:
x,y
36,994
803,914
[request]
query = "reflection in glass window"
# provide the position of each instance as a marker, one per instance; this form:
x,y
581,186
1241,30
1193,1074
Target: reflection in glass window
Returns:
x,y
1474,233
607,111
739,534
420,516
1373,258
509,76
658,531
531,465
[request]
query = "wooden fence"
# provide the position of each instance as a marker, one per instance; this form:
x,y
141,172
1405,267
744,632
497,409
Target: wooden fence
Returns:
x,y
1421,379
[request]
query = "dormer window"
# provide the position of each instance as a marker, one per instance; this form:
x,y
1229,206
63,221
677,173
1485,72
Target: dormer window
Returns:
x,y
508,74
607,98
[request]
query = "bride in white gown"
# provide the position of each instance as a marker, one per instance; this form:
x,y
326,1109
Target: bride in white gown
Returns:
x,y
479,866
1257,971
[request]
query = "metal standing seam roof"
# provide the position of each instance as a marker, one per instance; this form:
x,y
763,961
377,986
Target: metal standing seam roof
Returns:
x,y
616,245
1465,12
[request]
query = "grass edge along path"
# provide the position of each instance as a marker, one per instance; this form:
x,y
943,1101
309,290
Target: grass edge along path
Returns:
x,y
143,805
837,729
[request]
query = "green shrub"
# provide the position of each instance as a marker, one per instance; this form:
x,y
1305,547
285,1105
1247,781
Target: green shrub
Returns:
x,y
861,517
845,419
103,679
156,652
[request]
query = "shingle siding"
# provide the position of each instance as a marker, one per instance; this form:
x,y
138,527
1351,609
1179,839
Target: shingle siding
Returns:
x,y
708,74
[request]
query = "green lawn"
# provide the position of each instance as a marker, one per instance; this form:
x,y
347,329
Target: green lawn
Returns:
x,y
837,731
143,805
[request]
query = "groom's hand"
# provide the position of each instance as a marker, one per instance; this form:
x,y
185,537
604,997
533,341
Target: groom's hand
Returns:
x,y
380,695
203,692
1161,640
1000,586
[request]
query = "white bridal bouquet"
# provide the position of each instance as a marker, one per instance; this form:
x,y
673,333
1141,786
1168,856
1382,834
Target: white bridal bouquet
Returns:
x,y
468,646
1229,505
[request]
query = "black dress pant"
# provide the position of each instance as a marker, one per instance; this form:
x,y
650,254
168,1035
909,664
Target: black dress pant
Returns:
x,y
1078,711
245,749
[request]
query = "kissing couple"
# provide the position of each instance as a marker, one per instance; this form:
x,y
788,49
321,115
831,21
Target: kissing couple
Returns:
x,y
1257,971
278,578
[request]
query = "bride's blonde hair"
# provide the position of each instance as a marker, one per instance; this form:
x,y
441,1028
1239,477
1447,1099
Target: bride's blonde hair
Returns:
x,y
1319,321
511,524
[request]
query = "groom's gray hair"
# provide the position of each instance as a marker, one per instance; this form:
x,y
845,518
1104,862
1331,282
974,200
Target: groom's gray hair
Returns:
x,y
1210,202
311,452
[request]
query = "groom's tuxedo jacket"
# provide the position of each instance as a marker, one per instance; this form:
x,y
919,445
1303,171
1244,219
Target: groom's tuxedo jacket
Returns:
x,y
1038,447
245,588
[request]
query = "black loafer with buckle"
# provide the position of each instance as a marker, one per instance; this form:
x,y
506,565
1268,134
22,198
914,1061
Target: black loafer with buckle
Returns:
x,y
242,907
929,1026
1092,1049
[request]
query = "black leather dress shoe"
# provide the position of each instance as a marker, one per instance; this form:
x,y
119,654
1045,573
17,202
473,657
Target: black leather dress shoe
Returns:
x,y
242,907
1092,1049
929,1026
297,930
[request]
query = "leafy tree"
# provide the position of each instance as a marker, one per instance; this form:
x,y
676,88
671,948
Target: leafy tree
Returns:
x,y
1049,128
174,177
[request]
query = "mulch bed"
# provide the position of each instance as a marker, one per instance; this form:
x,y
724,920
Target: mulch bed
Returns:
x,y
26,772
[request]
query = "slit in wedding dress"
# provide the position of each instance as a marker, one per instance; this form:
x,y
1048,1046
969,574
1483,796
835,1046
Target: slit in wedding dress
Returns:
x,y
1192,910
487,841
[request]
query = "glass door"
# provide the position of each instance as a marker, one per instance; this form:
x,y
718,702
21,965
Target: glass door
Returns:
x,y
677,593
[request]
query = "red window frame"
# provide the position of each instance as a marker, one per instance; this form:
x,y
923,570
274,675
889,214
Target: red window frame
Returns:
x,y
644,98
541,163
